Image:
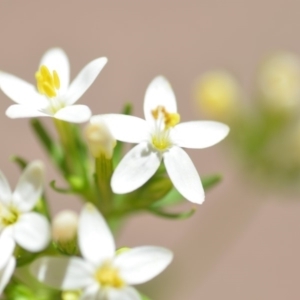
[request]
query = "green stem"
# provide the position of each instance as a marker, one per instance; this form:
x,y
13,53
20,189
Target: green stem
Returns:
x,y
104,170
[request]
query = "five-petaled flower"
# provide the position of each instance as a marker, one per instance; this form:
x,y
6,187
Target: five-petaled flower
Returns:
x,y
102,273
18,223
53,96
161,136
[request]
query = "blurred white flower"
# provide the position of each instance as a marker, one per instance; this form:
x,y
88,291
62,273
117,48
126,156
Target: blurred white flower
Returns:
x,y
29,229
18,224
102,274
53,97
279,80
161,137
7,260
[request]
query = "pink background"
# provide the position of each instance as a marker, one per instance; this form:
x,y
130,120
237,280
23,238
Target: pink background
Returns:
x,y
243,243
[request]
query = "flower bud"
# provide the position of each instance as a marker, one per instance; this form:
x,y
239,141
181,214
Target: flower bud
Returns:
x,y
64,230
100,140
279,80
217,93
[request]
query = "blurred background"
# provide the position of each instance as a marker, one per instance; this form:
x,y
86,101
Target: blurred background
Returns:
x,y
232,61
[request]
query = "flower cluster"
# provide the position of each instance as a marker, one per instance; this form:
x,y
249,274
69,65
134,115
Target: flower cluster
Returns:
x,y
80,258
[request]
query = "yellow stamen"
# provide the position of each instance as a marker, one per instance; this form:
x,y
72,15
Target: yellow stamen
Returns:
x,y
47,83
56,80
8,215
170,119
108,276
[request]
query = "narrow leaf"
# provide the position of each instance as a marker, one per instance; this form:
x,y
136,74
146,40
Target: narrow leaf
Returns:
x,y
168,215
52,148
21,162
60,190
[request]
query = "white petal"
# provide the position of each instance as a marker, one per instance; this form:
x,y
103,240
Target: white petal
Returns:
x,y
159,93
6,273
23,111
91,292
62,272
124,128
136,167
7,247
21,91
84,79
74,114
184,175
30,186
5,191
127,293
32,231
141,264
96,242
56,59
199,134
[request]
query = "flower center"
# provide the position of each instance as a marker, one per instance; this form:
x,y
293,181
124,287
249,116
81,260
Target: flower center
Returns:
x,y
8,215
108,276
164,121
47,84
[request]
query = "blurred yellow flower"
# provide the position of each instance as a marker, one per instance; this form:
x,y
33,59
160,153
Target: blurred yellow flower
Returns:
x,y
217,93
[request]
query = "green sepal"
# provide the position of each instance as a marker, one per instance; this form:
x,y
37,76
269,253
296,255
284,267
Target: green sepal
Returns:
x,y
60,190
144,297
169,215
23,257
20,161
53,149
30,289
174,197
209,182
153,190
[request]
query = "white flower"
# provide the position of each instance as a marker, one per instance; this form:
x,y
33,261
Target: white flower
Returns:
x,y
53,97
160,137
7,260
18,224
102,274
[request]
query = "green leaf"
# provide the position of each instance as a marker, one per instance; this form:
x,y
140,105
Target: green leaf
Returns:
x,y
53,149
21,162
169,215
174,197
144,297
60,190
210,181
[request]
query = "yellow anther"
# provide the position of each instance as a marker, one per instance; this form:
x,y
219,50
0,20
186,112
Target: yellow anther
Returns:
x,y
155,113
47,83
48,90
108,276
56,80
171,119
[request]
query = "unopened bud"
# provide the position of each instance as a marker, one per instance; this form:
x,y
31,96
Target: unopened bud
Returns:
x,y
64,230
279,80
217,93
100,140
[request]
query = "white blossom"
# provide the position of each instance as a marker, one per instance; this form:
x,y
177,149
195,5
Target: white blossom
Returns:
x,y
53,96
102,273
161,136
